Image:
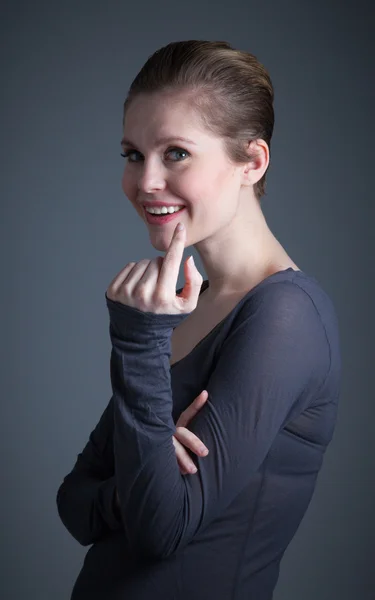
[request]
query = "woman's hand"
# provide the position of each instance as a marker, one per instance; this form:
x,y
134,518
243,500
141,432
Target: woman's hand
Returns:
x,y
184,437
187,438
150,285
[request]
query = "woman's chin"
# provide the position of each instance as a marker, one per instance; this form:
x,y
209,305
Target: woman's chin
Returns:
x,y
160,241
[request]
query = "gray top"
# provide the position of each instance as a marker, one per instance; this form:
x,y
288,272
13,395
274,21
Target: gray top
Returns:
x,y
272,370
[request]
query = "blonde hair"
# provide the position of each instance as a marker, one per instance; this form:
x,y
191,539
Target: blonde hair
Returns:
x,y
230,89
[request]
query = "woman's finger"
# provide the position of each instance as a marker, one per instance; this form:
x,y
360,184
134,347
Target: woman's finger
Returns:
x,y
193,408
185,463
191,441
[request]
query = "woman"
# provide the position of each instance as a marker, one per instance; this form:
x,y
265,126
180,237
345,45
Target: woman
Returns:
x,y
259,337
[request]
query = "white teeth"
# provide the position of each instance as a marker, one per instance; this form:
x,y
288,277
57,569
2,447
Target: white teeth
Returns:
x,y
163,209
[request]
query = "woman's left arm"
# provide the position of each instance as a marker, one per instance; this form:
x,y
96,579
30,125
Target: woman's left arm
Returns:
x,y
270,367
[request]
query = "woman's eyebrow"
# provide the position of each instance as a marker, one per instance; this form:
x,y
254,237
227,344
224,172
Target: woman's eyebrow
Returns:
x,y
160,141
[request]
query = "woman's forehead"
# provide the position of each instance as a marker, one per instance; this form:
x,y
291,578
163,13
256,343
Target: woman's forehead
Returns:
x,y
159,125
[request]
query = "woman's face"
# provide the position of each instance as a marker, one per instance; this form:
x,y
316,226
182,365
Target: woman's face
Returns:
x,y
195,171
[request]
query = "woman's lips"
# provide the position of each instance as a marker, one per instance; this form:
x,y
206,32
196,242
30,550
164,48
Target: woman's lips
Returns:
x,y
161,220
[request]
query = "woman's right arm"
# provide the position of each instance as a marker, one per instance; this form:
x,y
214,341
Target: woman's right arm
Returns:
x,y
86,499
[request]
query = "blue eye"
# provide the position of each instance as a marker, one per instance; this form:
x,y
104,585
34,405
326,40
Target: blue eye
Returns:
x,y
180,150
128,153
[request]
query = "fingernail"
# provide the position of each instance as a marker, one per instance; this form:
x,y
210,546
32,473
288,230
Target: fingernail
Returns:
x,y
204,451
180,227
193,469
191,261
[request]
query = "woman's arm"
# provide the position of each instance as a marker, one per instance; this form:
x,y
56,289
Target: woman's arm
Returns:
x,y
270,366
86,498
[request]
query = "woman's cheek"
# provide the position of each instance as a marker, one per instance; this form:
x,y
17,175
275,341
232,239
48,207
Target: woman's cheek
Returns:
x,y
192,189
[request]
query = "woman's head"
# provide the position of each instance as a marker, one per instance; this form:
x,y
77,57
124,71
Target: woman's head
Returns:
x,y
230,90
219,98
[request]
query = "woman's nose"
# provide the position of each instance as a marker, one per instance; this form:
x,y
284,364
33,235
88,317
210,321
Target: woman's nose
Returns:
x,y
152,178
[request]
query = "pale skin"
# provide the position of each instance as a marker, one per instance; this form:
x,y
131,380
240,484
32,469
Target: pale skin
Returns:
x,y
222,219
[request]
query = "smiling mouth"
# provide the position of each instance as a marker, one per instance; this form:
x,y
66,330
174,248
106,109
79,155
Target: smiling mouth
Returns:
x,y
160,207
161,218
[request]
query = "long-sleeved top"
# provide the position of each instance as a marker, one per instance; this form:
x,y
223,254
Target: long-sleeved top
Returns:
x,y
272,371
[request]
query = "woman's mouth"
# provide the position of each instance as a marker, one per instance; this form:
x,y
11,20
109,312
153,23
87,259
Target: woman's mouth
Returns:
x,y
161,219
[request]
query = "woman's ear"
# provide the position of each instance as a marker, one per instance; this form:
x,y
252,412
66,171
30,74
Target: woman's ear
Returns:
x,y
254,170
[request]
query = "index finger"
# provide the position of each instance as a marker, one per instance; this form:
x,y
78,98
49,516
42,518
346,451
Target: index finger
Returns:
x,y
172,261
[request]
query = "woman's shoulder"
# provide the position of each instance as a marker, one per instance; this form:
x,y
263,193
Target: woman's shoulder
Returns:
x,y
289,288
292,300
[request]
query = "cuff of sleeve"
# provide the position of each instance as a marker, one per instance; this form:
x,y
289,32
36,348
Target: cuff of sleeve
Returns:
x,y
124,318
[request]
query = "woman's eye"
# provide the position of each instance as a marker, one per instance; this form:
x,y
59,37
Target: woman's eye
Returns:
x,y
129,153
178,150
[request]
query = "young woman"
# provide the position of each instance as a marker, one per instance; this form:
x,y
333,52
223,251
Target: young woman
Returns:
x,y
246,363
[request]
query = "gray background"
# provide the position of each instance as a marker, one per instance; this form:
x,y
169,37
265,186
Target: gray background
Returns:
x,y
67,229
